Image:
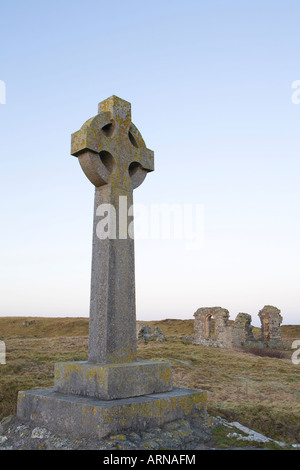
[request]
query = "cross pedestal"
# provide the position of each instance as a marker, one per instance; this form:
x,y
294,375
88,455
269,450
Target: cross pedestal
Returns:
x,y
93,395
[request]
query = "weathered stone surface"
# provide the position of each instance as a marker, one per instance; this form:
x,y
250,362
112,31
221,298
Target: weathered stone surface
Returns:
x,y
183,434
112,328
242,334
112,132
270,325
158,334
220,335
85,416
143,332
2,352
112,381
114,157
239,334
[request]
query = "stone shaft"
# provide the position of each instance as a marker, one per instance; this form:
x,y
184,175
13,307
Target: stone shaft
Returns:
x,y
114,157
112,330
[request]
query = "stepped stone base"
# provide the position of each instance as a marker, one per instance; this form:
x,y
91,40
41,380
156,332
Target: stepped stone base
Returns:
x,y
85,416
113,381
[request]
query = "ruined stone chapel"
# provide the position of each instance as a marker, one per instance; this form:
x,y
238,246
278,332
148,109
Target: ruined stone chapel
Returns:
x,y
213,328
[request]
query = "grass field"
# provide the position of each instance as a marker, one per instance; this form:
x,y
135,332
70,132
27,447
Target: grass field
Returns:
x,y
260,392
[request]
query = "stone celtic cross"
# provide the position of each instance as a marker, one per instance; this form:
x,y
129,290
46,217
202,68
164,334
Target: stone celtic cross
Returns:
x,y
114,157
112,392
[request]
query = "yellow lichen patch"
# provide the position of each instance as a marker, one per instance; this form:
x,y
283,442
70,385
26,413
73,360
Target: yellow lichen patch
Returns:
x,y
90,373
118,436
126,354
21,395
165,373
92,138
86,414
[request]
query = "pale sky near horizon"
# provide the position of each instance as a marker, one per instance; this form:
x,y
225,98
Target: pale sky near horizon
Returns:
x,y
210,85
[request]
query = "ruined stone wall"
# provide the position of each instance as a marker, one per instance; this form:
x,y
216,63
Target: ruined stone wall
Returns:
x,y
212,328
221,335
270,326
242,332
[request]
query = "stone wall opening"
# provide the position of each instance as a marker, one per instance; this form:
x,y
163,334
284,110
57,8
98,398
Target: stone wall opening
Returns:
x,y
209,327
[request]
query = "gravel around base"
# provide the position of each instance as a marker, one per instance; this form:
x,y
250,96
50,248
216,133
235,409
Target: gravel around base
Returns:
x,y
16,434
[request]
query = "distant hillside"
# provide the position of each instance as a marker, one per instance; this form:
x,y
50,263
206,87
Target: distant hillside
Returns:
x,y
38,327
78,326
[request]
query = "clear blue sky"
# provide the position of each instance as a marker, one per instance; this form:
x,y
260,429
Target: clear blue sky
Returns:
x,y
210,88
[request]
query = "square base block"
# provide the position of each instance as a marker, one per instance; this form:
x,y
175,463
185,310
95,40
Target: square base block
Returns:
x,y
113,381
88,417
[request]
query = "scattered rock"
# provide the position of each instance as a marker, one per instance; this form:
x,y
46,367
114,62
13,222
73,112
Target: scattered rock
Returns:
x,y
40,433
28,323
2,439
177,435
158,334
144,333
